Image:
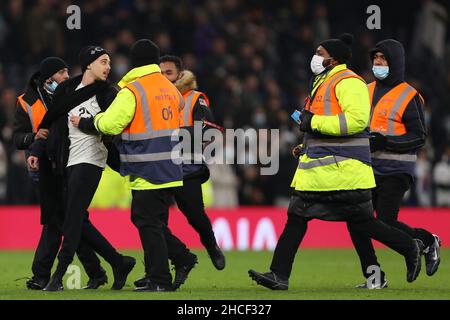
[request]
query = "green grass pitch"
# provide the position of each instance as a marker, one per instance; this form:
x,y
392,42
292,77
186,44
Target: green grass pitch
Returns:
x,y
317,274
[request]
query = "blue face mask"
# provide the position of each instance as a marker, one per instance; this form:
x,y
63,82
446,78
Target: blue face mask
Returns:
x,y
51,86
380,72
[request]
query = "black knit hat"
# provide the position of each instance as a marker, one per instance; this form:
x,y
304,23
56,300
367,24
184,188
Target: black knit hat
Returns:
x,y
89,54
49,66
144,52
339,49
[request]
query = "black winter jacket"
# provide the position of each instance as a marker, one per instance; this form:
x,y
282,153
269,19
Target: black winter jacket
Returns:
x,y
413,117
66,97
23,135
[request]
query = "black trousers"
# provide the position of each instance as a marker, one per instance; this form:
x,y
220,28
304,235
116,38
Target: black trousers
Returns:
x,y
149,213
51,189
354,207
387,199
82,181
189,199
47,249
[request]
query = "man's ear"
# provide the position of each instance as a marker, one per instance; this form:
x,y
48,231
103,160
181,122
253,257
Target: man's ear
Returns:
x,y
334,62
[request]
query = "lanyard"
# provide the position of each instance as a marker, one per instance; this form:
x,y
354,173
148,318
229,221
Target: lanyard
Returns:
x,y
42,98
310,86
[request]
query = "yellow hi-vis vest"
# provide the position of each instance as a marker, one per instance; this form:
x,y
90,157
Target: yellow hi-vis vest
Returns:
x,y
331,173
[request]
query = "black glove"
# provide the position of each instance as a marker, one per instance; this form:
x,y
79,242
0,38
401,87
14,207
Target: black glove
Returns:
x,y
297,151
377,142
305,118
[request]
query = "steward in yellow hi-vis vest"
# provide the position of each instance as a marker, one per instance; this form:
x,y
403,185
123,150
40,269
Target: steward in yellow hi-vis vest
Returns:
x,y
189,197
397,131
146,112
334,175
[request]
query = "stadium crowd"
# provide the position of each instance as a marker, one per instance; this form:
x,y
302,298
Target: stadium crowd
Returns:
x,y
250,57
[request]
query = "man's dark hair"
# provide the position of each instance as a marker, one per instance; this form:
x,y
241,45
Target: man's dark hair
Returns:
x,y
175,59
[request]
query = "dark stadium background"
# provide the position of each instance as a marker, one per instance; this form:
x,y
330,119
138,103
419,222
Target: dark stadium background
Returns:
x,y
250,57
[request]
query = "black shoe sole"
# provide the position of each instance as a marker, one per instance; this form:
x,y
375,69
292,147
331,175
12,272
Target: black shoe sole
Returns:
x,y
140,283
266,282
35,286
152,290
98,285
53,289
384,285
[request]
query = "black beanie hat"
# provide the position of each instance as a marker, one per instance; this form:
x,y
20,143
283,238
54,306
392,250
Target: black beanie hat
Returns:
x,y
89,54
144,52
49,66
339,49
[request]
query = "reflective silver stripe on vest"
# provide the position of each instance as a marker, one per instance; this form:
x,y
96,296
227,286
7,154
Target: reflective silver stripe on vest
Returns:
x,y
145,106
187,107
343,124
372,107
383,155
348,142
146,157
396,107
321,162
197,157
327,97
150,134
30,115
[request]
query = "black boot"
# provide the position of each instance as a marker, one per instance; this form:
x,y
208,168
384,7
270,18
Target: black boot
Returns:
x,y
153,287
142,282
269,280
413,261
95,283
182,272
217,256
122,271
37,283
55,283
433,256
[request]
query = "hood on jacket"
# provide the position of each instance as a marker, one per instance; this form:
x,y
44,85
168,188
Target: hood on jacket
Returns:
x,y
31,91
186,82
395,56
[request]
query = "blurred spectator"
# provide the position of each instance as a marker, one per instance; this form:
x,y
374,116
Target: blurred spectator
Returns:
x,y
431,28
45,34
422,183
3,174
20,189
224,183
441,176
